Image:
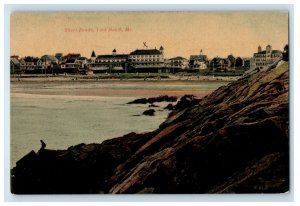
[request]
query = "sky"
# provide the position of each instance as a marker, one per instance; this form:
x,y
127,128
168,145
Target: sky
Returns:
x,y
180,33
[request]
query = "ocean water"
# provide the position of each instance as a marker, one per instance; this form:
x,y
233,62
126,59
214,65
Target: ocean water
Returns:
x,y
65,114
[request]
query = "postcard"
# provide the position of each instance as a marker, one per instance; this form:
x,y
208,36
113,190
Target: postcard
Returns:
x,y
149,102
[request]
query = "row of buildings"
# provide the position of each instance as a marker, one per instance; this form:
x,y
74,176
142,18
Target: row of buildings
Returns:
x,y
140,60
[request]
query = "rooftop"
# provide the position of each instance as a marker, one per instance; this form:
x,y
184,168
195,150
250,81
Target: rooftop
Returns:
x,y
71,55
146,52
198,57
31,59
72,60
49,57
113,56
15,61
81,58
178,58
273,52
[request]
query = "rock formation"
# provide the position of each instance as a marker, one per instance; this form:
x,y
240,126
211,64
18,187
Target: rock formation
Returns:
x,y
151,100
149,112
235,140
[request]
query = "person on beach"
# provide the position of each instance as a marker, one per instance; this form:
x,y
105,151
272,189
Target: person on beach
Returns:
x,y
43,145
41,151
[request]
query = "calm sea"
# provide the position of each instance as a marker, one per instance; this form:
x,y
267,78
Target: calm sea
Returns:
x,y
65,113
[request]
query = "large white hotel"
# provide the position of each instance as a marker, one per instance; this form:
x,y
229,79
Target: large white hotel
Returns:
x,y
142,60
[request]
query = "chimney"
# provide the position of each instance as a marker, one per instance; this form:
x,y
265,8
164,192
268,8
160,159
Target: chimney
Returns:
x,y
259,49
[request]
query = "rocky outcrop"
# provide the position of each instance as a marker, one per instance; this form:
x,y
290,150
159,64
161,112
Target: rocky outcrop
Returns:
x,y
149,112
79,169
151,100
187,101
235,140
169,107
153,105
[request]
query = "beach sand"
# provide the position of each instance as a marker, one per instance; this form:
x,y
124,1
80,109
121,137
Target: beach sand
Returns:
x,y
132,87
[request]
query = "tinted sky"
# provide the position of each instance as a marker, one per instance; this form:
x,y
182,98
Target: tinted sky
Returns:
x,y
180,33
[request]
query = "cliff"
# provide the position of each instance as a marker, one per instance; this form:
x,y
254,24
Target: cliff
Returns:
x,y
235,140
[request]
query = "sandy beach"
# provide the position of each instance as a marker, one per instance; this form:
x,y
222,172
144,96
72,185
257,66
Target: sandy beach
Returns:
x,y
64,85
121,77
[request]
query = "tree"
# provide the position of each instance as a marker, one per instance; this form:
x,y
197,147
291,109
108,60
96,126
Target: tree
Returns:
x,y
231,59
239,62
285,54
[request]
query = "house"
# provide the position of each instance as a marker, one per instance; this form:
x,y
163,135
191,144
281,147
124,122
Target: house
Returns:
x,y
82,61
147,60
178,63
69,65
47,60
40,64
22,64
198,62
219,64
70,56
29,63
247,62
14,65
266,57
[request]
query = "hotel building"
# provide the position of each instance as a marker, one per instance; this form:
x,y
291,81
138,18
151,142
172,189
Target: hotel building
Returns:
x,y
266,57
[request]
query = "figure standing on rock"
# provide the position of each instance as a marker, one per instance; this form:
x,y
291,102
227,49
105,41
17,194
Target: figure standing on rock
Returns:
x,y
43,145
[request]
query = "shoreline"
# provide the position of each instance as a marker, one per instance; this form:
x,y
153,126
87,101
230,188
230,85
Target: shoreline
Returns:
x,y
110,88
116,78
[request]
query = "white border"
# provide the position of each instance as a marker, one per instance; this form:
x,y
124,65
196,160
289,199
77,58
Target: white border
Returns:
x,y
136,198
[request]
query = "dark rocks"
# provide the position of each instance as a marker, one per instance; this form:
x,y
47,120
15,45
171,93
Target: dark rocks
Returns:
x,y
139,101
27,159
149,112
151,102
81,169
164,98
153,105
169,107
264,175
234,141
187,101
